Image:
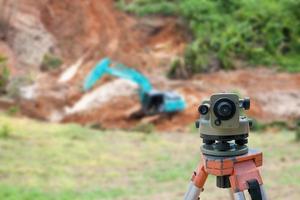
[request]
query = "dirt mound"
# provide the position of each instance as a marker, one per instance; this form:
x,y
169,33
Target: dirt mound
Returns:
x,y
105,31
113,114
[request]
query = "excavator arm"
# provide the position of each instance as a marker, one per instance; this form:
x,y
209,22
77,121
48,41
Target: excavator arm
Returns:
x,y
119,70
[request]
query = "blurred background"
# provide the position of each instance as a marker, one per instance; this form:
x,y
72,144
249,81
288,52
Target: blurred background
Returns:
x,y
61,141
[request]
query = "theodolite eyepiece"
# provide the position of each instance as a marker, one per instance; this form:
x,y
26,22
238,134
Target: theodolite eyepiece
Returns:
x,y
221,122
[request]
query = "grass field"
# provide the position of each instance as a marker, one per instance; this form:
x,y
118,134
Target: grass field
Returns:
x,y
40,161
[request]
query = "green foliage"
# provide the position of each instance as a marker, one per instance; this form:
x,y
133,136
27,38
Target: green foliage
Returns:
x,y
51,62
144,128
276,125
257,31
178,70
257,126
5,131
13,110
298,130
146,7
193,129
4,74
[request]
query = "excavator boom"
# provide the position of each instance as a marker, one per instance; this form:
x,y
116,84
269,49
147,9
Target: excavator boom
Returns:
x,y
119,70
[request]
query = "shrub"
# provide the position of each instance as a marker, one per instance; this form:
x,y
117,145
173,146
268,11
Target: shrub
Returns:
x,y
146,7
13,110
298,130
144,128
177,70
51,62
4,75
257,126
5,131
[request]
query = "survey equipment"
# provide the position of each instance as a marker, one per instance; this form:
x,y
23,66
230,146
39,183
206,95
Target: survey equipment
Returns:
x,y
225,153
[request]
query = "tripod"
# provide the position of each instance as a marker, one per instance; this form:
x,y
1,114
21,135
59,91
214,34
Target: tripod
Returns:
x,y
239,173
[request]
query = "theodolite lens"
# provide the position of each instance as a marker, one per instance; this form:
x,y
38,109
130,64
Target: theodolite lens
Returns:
x,y
224,109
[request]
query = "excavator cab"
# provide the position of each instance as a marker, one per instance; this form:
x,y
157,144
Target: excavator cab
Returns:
x,y
153,102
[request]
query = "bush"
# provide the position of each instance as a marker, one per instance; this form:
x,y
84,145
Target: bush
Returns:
x,y
258,126
146,7
259,31
5,131
51,62
144,128
298,130
4,75
177,70
13,110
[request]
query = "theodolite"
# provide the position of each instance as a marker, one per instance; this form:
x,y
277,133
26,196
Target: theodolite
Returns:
x,y
224,151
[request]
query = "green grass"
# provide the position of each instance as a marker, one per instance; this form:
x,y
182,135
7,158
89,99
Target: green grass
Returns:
x,y
258,32
41,161
51,62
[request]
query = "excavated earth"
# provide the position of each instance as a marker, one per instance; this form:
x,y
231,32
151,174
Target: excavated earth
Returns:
x,y
82,32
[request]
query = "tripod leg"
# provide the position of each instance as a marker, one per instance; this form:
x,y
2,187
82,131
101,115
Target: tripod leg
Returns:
x,y
196,186
231,194
239,196
263,192
246,176
193,192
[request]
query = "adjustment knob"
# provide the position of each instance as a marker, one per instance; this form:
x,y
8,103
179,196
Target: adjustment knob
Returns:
x,y
203,109
250,123
246,103
197,124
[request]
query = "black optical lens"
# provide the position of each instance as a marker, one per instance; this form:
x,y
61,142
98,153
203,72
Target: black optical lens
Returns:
x,y
224,109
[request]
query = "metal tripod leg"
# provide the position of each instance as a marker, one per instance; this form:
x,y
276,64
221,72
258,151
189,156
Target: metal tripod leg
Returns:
x,y
231,194
193,192
246,176
196,186
263,192
239,196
